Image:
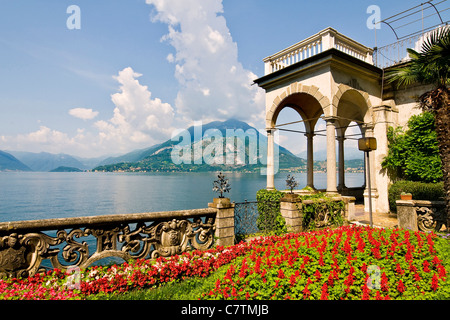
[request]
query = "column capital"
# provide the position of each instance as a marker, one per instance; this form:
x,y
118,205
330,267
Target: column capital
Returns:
x,y
382,108
341,138
330,119
271,130
368,126
310,135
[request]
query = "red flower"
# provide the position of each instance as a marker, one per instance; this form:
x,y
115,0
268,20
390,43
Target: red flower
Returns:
x,y
399,269
365,292
434,283
426,265
324,294
317,275
384,282
442,272
401,287
281,274
417,277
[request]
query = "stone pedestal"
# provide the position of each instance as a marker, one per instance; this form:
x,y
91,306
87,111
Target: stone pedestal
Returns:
x,y
406,215
349,211
374,197
292,214
224,221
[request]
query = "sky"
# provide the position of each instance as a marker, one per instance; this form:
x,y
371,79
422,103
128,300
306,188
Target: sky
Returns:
x,y
105,77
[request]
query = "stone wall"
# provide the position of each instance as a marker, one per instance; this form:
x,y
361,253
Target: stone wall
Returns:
x,y
421,215
290,208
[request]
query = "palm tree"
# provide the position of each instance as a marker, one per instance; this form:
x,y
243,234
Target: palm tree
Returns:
x,y
432,66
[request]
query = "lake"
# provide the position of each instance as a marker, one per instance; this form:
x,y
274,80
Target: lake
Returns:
x,y
46,195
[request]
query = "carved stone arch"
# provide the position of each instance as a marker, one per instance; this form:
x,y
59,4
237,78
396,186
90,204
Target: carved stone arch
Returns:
x,y
296,88
342,89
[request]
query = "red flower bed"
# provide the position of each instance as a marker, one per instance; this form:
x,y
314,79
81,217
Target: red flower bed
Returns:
x,y
346,263
120,278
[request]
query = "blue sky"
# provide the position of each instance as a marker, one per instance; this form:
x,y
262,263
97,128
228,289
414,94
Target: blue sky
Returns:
x,y
137,70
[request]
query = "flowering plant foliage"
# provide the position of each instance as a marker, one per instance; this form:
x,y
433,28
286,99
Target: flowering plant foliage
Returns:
x,y
325,264
333,264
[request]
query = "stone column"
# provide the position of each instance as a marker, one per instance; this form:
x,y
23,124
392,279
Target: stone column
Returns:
x,y
224,221
310,160
383,119
341,169
270,159
331,154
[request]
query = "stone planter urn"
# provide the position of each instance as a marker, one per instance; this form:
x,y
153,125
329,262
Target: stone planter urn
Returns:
x,y
290,197
222,202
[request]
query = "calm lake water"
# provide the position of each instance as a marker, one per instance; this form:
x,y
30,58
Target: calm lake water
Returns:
x,y
46,195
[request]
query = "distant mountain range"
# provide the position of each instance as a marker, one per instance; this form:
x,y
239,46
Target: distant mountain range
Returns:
x,y
10,163
159,157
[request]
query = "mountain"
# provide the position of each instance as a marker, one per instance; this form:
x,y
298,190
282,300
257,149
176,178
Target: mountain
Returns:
x,y
90,163
10,163
207,139
133,156
321,155
66,169
45,161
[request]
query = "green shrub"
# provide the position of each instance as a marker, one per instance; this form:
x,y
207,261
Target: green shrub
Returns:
x,y
313,213
414,155
419,191
270,219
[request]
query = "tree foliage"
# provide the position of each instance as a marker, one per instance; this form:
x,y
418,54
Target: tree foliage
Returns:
x,y
414,154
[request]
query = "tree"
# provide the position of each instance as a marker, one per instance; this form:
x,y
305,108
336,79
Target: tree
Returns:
x,y
414,155
432,66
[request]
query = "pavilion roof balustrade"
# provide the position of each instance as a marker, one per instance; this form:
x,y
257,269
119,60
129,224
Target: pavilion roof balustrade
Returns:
x,y
320,42
381,57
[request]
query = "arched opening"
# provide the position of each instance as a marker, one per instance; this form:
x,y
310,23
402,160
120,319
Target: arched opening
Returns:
x,y
353,117
295,118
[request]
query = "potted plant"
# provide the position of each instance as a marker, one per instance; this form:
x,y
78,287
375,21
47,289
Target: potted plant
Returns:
x,y
406,196
221,186
291,184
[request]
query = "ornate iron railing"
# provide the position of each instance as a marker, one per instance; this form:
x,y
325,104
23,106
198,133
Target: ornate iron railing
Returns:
x,y
25,244
396,53
249,220
245,217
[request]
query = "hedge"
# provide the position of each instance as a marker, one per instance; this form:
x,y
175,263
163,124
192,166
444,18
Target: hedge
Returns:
x,y
419,191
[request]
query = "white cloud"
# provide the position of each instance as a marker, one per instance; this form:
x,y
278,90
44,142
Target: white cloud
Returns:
x,y
83,113
45,139
214,84
138,119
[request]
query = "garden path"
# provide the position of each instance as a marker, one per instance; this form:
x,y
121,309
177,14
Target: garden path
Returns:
x,y
384,220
